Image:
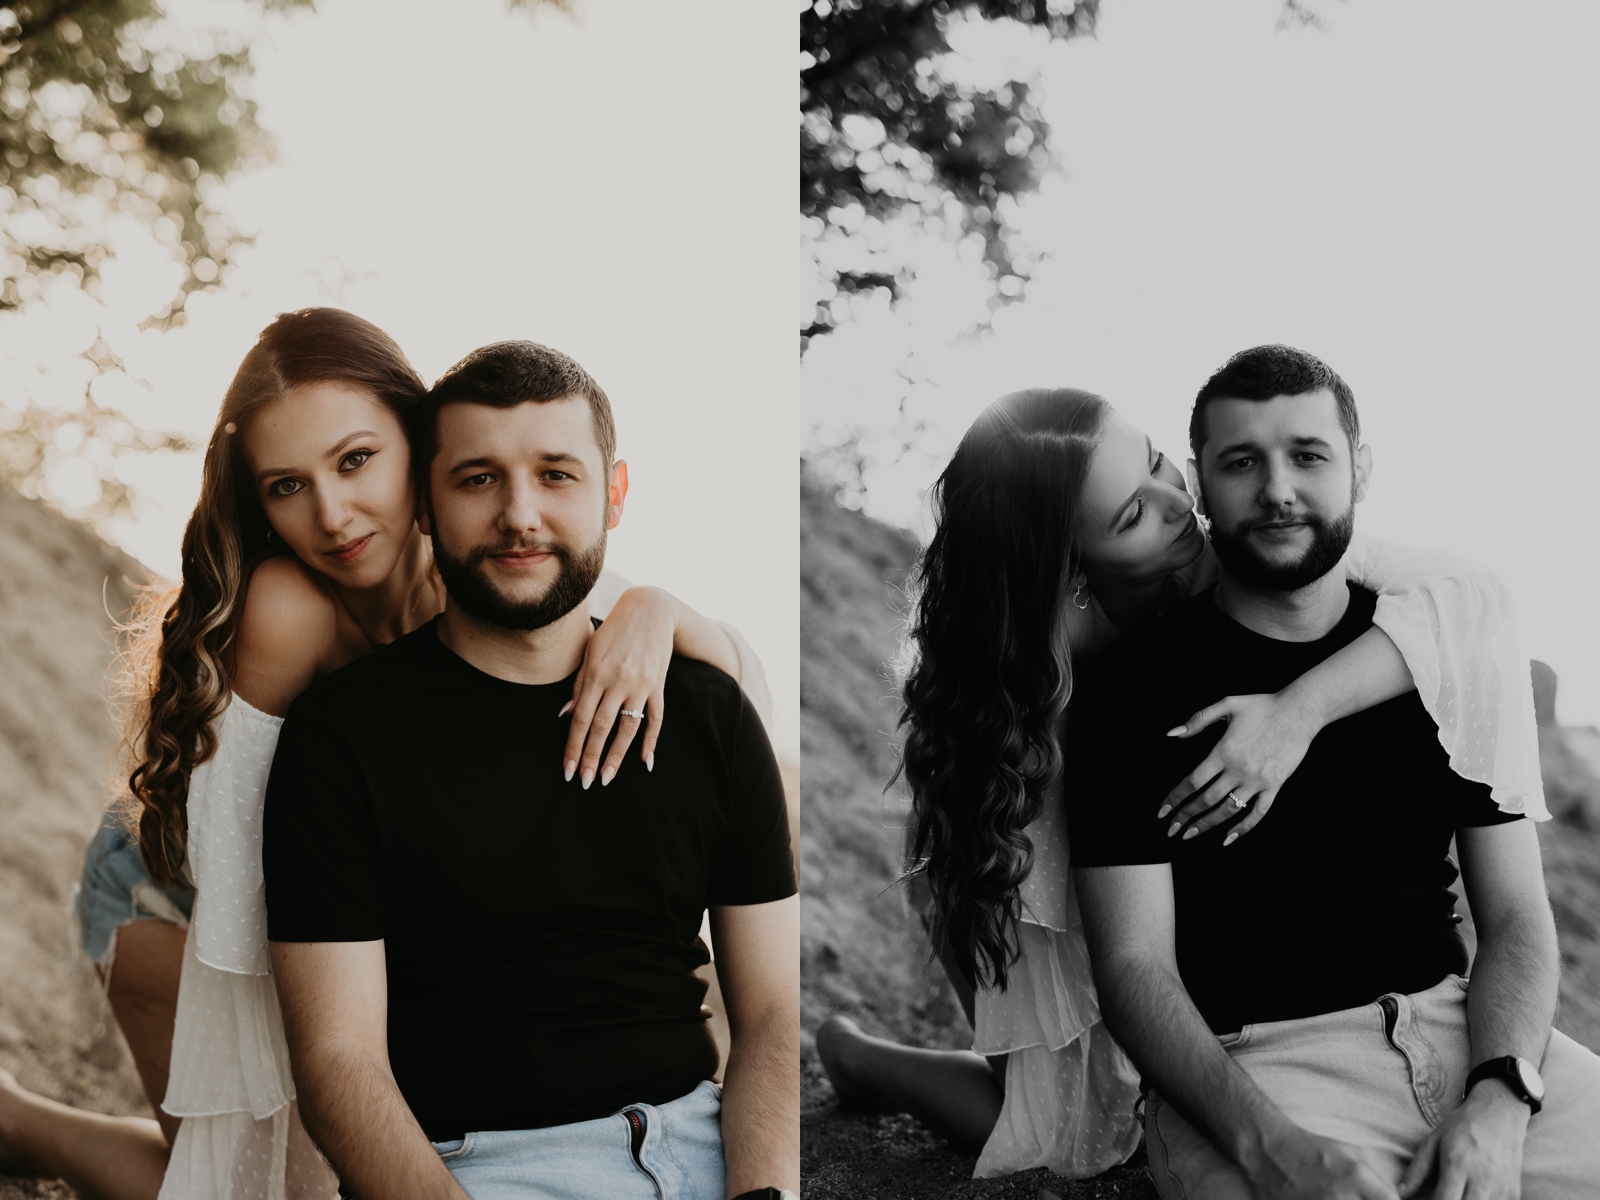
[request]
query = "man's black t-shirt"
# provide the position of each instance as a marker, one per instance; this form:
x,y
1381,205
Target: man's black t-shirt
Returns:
x,y
1343,892
541,939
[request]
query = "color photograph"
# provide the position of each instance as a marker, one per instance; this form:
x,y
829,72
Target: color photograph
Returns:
x,y
397,410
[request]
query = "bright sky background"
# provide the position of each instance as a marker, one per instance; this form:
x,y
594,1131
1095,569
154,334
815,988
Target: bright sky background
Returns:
x,y
618,185
1410,195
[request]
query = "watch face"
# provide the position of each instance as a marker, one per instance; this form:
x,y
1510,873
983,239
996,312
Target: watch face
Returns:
x,y
1531,1082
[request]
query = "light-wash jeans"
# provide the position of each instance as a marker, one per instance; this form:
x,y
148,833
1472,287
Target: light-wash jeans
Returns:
x,y
671,1151
1379,1078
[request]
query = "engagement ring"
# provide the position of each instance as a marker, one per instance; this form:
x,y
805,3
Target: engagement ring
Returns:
x,y
637,714
1241,805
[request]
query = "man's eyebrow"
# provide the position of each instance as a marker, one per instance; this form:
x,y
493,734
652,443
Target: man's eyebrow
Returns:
x,y
337,447
555,456
1305,439
1116,517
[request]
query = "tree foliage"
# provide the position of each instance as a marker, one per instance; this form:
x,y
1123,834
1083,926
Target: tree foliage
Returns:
x,y
107,110
885,134
109,113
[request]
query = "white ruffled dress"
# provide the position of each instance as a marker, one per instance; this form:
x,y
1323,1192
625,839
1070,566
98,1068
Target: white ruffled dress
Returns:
x,y
1069,1090
241,1136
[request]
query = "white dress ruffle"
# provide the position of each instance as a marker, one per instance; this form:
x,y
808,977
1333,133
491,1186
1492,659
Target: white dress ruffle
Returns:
x,y
1070,1091
241,1137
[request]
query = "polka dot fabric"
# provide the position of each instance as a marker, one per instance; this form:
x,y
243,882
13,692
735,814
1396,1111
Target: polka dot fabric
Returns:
x,y
241,1137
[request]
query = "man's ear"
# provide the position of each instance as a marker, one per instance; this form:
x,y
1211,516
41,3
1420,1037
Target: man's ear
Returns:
x,y
1362,469
618,493
424,517
1192,470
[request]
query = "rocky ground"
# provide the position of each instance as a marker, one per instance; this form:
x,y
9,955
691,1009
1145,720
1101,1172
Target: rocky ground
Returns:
x,y
58,582
863,953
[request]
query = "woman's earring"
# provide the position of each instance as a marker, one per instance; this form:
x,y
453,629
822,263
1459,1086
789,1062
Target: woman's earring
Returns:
x,y
1077,596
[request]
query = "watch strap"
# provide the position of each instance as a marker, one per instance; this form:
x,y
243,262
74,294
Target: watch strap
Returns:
x,y
1507,1072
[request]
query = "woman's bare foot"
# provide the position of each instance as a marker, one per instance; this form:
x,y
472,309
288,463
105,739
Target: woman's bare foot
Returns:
x,y
840,1043
12,1097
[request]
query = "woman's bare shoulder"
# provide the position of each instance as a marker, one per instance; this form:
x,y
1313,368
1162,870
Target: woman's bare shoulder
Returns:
x,y
286,631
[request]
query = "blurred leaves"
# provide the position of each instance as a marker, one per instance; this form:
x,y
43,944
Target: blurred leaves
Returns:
x,y
887,133
109,112
112,118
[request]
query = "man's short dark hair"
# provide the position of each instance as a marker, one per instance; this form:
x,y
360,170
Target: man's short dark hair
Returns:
x,y
1263,372
504,375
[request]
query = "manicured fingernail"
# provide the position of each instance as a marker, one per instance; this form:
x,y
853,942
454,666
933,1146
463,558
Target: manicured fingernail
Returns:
x,y
1173,828
1175,732
650,761
1165,809
566,708
588,778
1189,833
1230,839
605,775
571,767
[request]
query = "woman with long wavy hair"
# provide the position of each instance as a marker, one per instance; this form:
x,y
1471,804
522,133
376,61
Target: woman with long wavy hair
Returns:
x,y
302,554
1058,527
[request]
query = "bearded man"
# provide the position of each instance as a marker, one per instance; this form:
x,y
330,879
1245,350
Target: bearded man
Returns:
x,y
487,972
1299,1002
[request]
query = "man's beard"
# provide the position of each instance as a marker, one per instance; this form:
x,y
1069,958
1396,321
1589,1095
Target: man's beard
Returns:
x,y
1329,540
470,587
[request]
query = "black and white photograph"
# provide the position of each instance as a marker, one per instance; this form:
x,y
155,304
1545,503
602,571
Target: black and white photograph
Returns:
x,y
1199,687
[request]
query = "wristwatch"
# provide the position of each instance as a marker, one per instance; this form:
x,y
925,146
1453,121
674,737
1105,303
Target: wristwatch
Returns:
x,y
767,1193
1518,1074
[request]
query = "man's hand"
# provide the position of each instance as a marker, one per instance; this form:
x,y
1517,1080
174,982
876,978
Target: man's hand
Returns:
x,y
1477,1149
1297,1165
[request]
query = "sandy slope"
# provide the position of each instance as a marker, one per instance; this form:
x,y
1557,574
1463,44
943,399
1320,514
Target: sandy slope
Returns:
x,y
862,953
57,581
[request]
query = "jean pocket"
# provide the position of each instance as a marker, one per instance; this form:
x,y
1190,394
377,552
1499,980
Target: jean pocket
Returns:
x,y
458,1148
1232,1041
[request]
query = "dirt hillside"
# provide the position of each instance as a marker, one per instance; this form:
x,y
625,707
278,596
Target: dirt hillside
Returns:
x,y
863,953
57,582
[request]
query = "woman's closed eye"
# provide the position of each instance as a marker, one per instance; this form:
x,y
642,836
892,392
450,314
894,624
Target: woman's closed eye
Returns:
x,y
1141,504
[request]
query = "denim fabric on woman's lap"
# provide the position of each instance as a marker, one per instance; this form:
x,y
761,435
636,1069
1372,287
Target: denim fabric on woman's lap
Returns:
x,y
116,889
679,1156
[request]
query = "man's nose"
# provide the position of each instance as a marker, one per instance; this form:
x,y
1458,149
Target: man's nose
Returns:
x,y
1277,487
521,510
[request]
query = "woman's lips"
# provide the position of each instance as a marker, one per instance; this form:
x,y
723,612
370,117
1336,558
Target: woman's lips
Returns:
x,y
351,551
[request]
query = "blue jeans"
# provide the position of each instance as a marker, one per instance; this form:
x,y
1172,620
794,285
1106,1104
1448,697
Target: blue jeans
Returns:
x,y
671,1151
117,889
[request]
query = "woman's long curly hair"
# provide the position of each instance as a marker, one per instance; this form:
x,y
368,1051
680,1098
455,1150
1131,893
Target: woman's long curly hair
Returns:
x,y
177,653
991,673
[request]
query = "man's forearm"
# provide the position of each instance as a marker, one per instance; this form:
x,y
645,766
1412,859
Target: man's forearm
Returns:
x,y
761,1103
1148,1010
1514,985
354,1111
